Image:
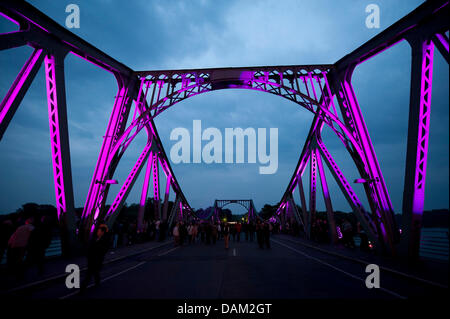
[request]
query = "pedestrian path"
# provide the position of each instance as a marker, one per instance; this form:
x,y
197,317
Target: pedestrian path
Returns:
x,y
427,269
55,267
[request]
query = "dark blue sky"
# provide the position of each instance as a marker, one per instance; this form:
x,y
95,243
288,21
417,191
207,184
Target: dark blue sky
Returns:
x,y
196,34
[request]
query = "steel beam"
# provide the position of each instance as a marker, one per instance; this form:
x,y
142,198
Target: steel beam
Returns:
x,y
361,214
156,194
166,197
60,148
13,98
27,15
417,145
440,40
118,202
98,189
306,224
327,199
12,40
144,193
312,188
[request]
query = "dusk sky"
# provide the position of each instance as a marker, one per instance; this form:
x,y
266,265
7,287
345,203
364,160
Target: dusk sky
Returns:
x,y
152,35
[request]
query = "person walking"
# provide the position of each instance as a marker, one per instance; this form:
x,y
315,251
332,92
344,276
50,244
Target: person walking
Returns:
x,y
6,230
238,231
226,234
40,239
176,234
266,234
189,231
194,232
233,231
347,232
259,234
214,233
183,233
157,229
96,253
17,246
219,230
251,231
202,232
245,230
208,233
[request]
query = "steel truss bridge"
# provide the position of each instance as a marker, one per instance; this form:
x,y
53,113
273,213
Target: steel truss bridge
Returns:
x,y
246,203
324,90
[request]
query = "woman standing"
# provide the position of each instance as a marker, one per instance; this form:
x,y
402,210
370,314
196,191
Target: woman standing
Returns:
x,y
176,234
226,234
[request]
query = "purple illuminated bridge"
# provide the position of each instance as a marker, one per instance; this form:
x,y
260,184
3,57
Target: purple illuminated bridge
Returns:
x,y
324,90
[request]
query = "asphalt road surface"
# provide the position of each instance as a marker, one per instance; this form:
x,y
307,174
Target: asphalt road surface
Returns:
x,y
287,270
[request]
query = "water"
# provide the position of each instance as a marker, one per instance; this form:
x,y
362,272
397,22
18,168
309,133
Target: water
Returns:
x,y
434,243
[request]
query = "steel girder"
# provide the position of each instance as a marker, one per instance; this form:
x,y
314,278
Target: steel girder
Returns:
x,y
311,86
423,28
246,203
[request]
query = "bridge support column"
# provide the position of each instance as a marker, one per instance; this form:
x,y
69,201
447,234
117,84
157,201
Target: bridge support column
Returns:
x,y
98,190
144,194
327,199
368,166
353,200
118,202
166,197
417,145
156,194
59,140
312,192
301,191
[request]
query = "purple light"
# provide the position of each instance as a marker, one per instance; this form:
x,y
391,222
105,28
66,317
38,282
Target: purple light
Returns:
x,y
21,78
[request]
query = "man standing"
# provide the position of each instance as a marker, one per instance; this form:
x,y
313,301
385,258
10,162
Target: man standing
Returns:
x,y
157,224
259,234
266,234
17,246
96,253
238,231
226,234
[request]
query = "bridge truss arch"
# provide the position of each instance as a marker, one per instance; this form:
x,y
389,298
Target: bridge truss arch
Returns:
x,y
314,87
246,203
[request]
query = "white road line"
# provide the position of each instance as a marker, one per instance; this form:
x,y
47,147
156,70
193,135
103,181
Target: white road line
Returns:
x,y
118,274
234,251
83,269
367,263
106,279
335,268
166,252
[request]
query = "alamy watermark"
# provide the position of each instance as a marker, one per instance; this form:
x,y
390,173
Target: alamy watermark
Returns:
x,y
73,19
373,279
373,19
73,277
215,151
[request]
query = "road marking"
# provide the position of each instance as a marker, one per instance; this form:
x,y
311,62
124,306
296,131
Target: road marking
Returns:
x,y
338,269
234,251
83,269
426,281
118,274
106,279
166,252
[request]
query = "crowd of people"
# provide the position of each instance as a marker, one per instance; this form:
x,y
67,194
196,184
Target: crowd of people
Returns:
x,y
209,232
24,242
345,229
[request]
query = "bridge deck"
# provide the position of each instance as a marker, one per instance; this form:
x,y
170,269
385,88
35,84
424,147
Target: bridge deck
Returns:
x,y
288,270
